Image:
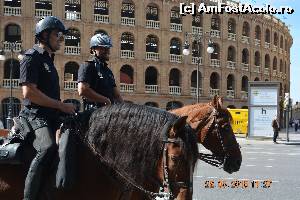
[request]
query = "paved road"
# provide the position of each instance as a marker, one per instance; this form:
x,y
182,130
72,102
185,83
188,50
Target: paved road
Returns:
x,y
262,161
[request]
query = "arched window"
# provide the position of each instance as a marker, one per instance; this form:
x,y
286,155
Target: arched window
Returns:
x,y
127,41
152,12
173,105
214,81
175,46
152,44
245,56
257,59
174,77
72,38
195,49
281,42
43,8
126,74
215,23
274,63
231,26
128,9
175,16
194,79
268,36
100,31
16,107
267,61
216,53
257,33
71,71
151,76
197,20
152,104
101,7
275,39
230,82
12,33
246,29
15,69
245,83
231,54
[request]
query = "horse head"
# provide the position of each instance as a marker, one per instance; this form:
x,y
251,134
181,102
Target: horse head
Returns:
x,y
180,154
212,123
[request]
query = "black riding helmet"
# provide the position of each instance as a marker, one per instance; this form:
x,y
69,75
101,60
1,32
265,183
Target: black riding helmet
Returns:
x,y
48,24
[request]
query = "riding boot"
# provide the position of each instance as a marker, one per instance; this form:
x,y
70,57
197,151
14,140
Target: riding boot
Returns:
x,y
33,180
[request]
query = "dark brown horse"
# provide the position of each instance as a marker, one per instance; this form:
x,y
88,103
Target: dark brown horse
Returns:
x,y
212,122
125,151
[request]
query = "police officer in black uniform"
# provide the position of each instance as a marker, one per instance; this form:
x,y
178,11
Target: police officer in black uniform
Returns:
x,y
96,83
41,91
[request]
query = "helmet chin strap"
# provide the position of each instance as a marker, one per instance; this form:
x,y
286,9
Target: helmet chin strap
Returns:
x,y
47,42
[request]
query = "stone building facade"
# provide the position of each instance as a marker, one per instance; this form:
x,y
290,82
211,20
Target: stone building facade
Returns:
x,y
146,58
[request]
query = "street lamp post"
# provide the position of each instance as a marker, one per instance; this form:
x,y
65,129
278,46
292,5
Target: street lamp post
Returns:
x,y
12,46
197,37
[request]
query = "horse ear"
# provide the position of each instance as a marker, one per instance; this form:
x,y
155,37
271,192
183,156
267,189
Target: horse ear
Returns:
x,y
220,102
179,124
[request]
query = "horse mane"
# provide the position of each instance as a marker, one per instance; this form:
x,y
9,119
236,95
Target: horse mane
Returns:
x,y
128,138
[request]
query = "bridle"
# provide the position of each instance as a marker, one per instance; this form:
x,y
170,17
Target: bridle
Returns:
x,y
212,159
166,195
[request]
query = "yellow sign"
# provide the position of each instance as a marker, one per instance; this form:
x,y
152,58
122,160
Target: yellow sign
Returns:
x,y
239,120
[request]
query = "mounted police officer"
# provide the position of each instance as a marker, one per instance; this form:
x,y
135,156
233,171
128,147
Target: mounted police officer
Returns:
x,y
96,83
41,91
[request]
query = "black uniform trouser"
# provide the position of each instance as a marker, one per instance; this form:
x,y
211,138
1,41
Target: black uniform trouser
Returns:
x,y
45,146
275,136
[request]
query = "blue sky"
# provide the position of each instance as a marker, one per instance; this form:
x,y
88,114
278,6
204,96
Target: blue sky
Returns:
x,y
294,21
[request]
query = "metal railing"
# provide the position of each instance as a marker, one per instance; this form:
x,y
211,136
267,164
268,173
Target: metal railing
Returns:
x,y
215,63
231,36
70,85
43,12
197,30
244,95
124,87
104,19
127,54
256,69
72,50
175,27
7,46
231,64
14,83
245,39
175,90
256,42
213,92
194,91
151,89
175,58
195,60
152,56
215,33
152,24
230,94
245,67
70,15
128,21
12,11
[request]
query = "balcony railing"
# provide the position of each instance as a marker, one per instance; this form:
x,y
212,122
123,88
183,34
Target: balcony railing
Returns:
x,y
194,91
14,83
176,27
152,56
7,45
126,87
267,45
231,64
215,63
104,19
175,58
213,92
256,69
151,89
245,39
195,60
232,36
279,75
215,33
197,30
256,42
275,48
127,54
267,71
70,85
43,12
230,94
280,50
72,50
12,11
244,95
245,67
152,24
284,76
127,21
175,90
70,15
274,73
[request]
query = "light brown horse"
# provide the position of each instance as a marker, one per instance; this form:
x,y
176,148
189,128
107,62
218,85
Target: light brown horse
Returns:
x,y
126,151
212,122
